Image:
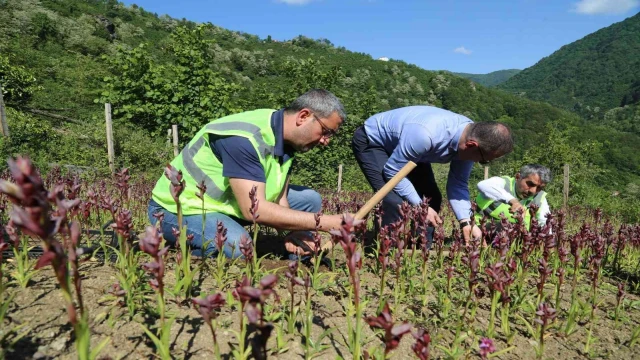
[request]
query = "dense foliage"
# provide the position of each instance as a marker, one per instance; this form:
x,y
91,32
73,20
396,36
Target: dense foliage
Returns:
x,y
157,71
590,76
491,79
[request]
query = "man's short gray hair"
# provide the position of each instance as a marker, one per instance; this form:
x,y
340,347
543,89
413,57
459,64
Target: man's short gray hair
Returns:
x,y
542,171
492,137
320,101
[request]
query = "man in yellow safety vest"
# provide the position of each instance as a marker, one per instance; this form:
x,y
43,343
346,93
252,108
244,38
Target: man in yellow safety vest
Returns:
x,y
233,154
504,196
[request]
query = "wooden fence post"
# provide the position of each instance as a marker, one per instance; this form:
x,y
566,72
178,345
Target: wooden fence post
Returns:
x,y
565,191
486,172
339,177
174,129
107,116
4,127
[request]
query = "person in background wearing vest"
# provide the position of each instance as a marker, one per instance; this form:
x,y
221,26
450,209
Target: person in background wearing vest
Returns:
x,y
504,195
237,152
425,135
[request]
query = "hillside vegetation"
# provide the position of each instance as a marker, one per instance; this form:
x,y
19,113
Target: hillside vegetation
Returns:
x,y
68,57
591,76
491,79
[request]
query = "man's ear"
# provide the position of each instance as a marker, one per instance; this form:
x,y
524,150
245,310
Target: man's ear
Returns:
x,y
518,176
471,143
303,116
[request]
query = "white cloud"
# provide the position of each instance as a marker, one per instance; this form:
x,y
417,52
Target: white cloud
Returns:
x,y
295,2
595,7
462,50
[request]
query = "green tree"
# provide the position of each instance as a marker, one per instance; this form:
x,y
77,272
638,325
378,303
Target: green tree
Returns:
x,y
18,84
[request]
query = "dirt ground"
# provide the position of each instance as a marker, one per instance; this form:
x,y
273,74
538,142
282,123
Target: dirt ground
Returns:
x,y
39,308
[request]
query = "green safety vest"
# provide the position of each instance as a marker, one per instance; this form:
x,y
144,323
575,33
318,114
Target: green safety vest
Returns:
x,y
494,209
198,163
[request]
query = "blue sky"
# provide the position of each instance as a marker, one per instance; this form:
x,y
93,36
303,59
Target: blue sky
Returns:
x,y
471,36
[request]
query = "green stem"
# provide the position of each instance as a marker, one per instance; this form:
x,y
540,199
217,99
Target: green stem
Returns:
x,y
494,305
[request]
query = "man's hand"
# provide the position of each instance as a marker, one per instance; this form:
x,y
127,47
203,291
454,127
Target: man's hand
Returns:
x,y
469,232
296,240
516,206
276,215
330,222
433,217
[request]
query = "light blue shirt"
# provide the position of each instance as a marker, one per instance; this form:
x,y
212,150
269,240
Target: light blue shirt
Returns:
x,y
423,134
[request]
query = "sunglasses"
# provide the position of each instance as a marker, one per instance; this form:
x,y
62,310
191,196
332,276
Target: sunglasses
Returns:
x,y
484,161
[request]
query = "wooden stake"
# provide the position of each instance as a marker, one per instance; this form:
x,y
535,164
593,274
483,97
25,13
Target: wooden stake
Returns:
x,y
486,172
339,177
565,191
174,129
4,127
107,116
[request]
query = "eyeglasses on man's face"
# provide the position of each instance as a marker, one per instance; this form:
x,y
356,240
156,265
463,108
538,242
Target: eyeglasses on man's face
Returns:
x,y
326,131
484,161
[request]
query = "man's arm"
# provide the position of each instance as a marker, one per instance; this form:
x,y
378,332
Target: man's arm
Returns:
x,y
240,163
458,188
275,215
282,200
493,189
543,212
458,194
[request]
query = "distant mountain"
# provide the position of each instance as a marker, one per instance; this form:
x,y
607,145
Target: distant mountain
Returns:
x,y
590,76
492,78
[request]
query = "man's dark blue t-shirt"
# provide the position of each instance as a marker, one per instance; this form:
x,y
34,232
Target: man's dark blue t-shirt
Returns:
x,y
238,156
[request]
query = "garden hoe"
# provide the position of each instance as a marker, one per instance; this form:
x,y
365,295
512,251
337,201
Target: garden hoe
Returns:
x,y
376,198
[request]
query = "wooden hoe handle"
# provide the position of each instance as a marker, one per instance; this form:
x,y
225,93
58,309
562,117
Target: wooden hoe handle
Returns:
x,y
378,196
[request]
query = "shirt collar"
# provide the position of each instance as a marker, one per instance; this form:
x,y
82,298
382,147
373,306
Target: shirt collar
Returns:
x,y
455,141
277,120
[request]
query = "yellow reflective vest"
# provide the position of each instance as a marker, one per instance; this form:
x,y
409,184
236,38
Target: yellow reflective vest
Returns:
x,y
198,163
493,209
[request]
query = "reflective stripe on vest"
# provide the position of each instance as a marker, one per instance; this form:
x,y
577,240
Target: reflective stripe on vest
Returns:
x,y
493,209
189,152
199,164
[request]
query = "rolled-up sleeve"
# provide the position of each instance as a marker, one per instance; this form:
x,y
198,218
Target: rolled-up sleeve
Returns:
x,y
458,188
411,147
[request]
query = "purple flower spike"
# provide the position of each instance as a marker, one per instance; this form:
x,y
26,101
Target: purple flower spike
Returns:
x,y
421,346
209,306
486,347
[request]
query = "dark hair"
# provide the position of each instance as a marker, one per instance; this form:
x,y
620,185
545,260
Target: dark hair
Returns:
x,y
492,137
320,101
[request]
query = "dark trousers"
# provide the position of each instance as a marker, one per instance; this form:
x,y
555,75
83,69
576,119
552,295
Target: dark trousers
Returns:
x,y
372,158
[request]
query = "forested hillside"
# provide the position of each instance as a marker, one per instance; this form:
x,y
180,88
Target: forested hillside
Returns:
x,y
66,58
591,76
491,79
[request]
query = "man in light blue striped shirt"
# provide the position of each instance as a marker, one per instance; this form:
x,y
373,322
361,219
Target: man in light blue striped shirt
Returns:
x,y
425,135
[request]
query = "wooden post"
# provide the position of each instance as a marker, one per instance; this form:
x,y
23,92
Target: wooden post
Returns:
x,y
174,129
486,172
565,191
107,116
339,177
168,137
4,127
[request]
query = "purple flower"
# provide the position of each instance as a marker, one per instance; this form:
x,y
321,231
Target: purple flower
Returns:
x,y
421,346
392,333
486,347
209,306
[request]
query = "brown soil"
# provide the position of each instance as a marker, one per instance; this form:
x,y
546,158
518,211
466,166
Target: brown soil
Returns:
x,y
39,309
